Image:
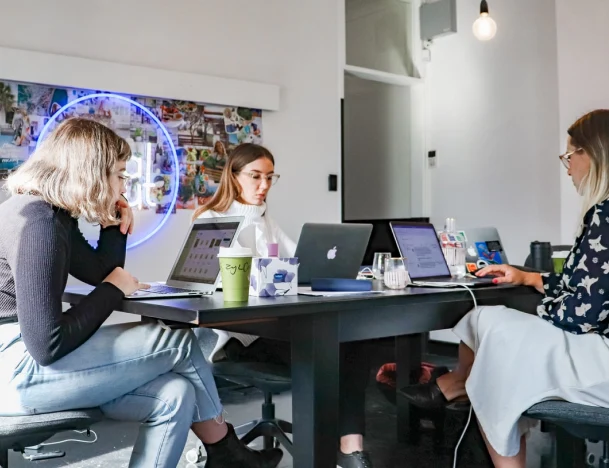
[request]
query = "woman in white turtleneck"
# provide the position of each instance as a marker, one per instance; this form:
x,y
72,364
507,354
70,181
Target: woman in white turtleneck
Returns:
x,y
258,229
246,180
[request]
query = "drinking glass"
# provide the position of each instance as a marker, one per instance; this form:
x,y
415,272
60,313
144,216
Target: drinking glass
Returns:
x,y
396,276
378,264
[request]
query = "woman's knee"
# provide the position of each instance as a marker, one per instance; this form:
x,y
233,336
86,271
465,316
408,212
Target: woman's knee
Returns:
x,y
168,397
165,338
176,396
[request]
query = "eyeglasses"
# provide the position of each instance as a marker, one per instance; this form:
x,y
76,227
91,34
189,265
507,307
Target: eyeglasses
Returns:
x,y
565,159
257,177
124,178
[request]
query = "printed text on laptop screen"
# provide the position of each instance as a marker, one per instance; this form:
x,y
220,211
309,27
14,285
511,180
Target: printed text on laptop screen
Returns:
x,y
424,257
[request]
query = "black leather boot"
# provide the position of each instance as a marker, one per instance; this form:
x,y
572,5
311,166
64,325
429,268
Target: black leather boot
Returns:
x,y
426,396
429,396
230,452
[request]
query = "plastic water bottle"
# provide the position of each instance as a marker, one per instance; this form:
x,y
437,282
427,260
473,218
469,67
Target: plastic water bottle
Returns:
x,y
454,248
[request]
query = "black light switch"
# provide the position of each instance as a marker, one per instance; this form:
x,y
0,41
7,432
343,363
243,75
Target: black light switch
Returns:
x,y
332,183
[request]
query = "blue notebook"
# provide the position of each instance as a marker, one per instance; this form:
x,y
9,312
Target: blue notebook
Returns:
x,y
340,285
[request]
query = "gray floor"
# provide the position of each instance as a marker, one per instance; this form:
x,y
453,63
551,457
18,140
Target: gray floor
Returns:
x,y
116,439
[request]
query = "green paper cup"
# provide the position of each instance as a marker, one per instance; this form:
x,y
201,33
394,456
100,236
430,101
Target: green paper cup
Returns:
x,y
235,267
558,258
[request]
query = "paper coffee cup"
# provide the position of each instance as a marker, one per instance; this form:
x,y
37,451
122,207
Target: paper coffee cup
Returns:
x,y
558,259
235,267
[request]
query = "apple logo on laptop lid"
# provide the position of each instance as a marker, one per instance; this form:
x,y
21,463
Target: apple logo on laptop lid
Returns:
x,y
332,253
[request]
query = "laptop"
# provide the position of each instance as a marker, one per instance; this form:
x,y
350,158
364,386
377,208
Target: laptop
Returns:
x,y
381,238
419,245
484,247
196,271
331,250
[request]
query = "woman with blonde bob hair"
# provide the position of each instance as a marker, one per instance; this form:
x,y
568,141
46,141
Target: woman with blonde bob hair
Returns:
x,y
52,360
509,360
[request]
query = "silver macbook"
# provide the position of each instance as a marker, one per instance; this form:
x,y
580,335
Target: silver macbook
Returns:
x,y
418,243
331,250
196,271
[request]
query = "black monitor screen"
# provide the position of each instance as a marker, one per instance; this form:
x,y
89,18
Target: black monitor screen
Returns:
x,y
381,239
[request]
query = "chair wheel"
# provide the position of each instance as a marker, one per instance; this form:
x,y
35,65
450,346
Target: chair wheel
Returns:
x,y
196,455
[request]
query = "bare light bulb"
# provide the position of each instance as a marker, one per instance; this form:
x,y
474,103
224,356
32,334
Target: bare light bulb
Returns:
x,y
484,27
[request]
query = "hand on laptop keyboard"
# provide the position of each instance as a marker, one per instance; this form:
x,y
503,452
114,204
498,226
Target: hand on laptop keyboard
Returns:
x,y
162,289
124,281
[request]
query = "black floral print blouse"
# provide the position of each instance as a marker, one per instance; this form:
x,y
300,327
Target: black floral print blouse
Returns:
x,y
578,299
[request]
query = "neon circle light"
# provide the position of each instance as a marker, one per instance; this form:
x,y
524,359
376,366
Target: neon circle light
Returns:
x,y
154,118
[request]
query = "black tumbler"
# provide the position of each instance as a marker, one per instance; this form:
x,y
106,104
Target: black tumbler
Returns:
x,y
541,256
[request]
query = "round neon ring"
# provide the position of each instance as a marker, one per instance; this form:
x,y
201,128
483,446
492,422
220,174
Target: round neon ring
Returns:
x,y
156,120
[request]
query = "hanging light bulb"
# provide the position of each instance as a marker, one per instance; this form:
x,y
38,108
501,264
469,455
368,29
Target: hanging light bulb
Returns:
x,y
484,27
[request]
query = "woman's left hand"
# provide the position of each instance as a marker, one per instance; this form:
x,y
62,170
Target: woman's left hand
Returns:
x,y
126,216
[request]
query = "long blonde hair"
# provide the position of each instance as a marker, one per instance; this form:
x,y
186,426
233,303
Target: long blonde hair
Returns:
x,y
230,189
71,170
591,134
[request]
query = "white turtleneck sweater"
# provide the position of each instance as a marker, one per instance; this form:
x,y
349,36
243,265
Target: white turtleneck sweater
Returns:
x,y
257,230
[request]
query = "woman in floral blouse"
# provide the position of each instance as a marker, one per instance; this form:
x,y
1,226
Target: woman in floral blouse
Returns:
x,y
509,360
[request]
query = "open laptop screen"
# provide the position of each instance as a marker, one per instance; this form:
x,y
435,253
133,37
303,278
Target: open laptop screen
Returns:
x,y
198,261
420,245
381,238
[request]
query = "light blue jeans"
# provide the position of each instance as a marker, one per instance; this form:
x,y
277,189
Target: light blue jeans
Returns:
x,y
134,372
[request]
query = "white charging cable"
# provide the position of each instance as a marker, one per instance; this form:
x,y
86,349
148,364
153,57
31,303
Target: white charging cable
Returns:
x,y
471,409
365,273
73,440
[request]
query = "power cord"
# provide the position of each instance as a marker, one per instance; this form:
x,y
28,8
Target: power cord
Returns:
x,y
471,409
88,431
365,273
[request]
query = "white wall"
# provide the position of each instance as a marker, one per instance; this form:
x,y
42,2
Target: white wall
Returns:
x,y
494,124
286,42
583,71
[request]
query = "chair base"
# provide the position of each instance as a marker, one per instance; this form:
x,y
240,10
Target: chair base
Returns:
x,y
270,430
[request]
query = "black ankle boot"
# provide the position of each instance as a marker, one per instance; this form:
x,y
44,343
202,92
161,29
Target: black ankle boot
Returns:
x,y
230,452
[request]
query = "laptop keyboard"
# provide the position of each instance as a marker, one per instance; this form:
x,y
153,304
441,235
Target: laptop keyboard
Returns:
x,y
160,289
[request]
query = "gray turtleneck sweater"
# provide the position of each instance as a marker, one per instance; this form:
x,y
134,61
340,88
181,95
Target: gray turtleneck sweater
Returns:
x,y
39,246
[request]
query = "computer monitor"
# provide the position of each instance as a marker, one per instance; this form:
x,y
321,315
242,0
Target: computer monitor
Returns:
x,y
381,239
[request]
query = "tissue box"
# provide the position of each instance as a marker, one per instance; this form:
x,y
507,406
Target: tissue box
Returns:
x,y
274,276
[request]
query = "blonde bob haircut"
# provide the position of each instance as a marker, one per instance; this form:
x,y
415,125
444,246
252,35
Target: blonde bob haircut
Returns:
x,y
71,170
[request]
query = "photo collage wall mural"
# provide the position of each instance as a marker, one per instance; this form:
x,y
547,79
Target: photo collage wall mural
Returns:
x,y
161,133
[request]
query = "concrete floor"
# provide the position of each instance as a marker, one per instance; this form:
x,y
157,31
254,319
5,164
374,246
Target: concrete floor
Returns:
x,y
112,450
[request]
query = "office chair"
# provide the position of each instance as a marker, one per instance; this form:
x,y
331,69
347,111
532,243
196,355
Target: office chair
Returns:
x,y
20,432
574,423
269,378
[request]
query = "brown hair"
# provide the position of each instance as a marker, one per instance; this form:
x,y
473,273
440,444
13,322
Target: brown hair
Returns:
x,y
591,134
71,170
230,189
222,150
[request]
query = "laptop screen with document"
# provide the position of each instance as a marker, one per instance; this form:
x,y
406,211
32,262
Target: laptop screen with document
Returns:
x,y
419,244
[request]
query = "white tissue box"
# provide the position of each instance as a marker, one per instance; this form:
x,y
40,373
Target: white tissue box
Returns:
x,y
274,276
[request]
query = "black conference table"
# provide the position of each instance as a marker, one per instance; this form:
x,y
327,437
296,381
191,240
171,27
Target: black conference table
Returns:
x,y
316,326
